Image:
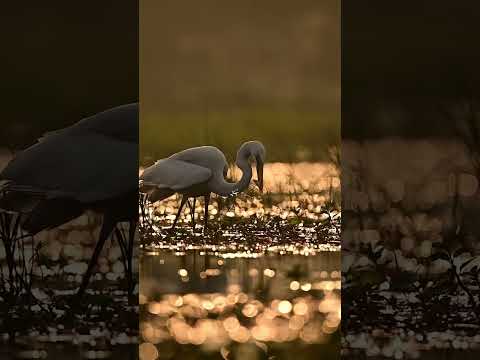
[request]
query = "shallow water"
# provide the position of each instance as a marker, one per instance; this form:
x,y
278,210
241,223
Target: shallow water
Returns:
x,y
273,258
64,350
206,304
411,346
48,322
104,327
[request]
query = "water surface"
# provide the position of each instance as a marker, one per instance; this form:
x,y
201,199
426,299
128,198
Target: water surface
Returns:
x,y
207,304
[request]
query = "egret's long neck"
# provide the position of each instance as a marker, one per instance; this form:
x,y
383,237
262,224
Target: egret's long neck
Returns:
x,y
224,188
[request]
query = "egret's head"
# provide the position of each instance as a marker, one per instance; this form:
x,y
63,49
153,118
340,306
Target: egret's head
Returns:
x,y
256,151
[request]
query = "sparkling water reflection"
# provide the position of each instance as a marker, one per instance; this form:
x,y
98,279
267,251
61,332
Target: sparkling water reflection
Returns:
x,y
205,304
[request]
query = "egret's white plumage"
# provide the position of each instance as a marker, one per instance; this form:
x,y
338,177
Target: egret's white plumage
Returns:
x,y
170,174
200,171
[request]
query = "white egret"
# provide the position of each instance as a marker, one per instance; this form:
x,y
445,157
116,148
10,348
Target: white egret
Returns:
x,y
200,171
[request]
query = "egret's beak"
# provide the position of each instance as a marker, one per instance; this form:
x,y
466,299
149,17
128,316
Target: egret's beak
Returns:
x,y
259,181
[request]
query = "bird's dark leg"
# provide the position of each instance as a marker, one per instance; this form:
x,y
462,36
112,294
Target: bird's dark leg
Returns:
x,y
193,213
107,228
182,204
127,254
205,217
123,246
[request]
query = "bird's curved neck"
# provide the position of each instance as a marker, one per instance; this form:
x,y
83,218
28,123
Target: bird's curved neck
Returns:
x,y
224,188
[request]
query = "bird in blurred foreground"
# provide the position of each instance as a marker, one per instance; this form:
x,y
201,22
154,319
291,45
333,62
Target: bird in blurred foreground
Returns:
x,y
91,165
200,171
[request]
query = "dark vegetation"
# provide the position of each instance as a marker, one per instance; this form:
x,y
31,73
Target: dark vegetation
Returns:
x,y
385,296
256,232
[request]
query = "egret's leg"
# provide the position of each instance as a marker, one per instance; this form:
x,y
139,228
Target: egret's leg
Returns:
x,y
107,228
182,204
205,217
143,203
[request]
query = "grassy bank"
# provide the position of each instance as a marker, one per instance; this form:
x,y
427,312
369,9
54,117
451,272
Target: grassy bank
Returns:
x,y
289,135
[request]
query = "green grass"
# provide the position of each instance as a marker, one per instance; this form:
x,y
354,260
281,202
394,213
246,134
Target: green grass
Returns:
x,y
288,135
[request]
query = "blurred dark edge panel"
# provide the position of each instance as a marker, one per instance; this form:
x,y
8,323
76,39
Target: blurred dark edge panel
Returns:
x,y
407,67
62,61
400,59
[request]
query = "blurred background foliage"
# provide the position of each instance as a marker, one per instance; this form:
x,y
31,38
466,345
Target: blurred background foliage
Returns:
x,y
288,135
222,73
